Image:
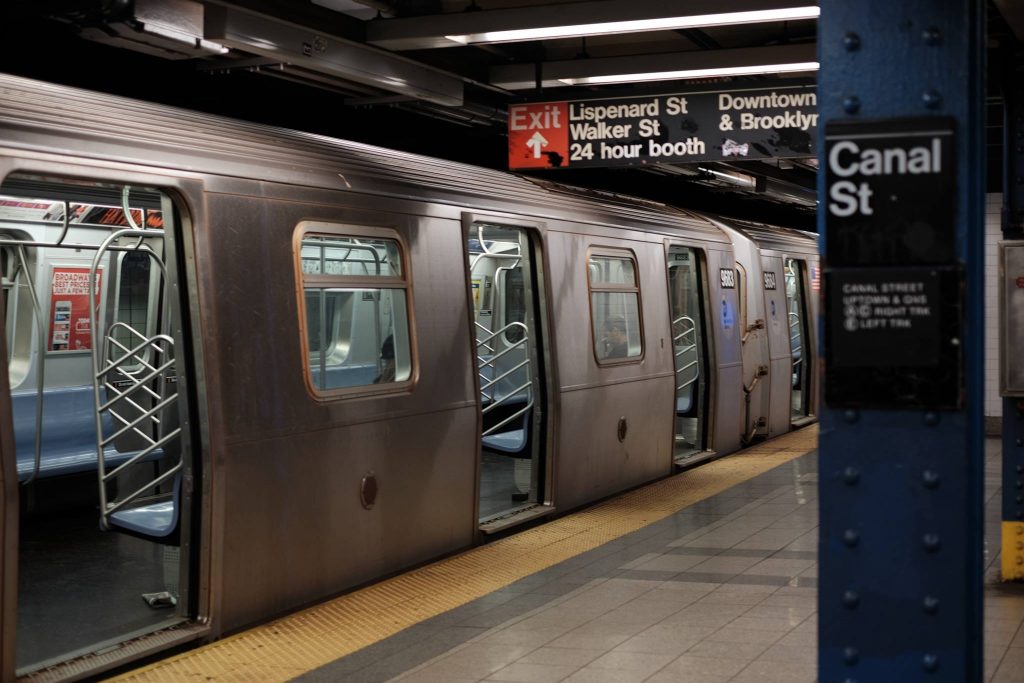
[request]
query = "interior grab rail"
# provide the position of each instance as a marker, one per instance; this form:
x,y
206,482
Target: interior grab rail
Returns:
x,y
485,252
681,341
131,381
492,399
794,321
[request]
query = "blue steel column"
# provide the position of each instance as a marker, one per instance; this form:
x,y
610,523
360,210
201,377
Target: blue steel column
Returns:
x,y
900,546
1013,408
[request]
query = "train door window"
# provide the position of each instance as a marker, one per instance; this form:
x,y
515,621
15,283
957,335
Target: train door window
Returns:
x,y
354,308
513,302
136,302
686,301
796,314
614,306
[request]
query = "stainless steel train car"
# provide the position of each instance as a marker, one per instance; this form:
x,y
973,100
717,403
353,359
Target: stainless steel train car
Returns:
x,y
250,368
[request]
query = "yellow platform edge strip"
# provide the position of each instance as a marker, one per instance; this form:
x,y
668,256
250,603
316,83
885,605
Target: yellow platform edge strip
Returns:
x,y
314,637
1013,551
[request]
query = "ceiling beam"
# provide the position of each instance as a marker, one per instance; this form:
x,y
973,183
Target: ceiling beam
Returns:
x,y
454,29
564,73
342,59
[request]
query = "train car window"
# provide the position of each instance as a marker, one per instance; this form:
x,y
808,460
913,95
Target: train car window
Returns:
x,y
355,311
136,301
614,306
514,307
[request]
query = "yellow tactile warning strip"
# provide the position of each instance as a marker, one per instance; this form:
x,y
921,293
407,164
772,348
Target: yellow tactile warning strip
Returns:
x,y
1013,551
296,644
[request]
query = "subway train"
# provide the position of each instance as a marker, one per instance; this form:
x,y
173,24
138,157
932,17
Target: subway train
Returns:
x,y
251,368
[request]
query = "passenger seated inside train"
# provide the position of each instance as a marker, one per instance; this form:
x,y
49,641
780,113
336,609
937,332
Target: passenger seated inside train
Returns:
x,y
614,341
387,361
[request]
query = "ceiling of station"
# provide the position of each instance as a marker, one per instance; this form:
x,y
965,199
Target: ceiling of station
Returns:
x,y
437,76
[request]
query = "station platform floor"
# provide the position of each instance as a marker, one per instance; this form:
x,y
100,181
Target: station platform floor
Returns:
x,y
707,576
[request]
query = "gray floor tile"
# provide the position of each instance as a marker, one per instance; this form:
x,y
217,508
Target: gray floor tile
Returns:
x,y
760,580
476,660
766,671
727,598
520,672
775,566
694,664
562,656
685,677
774,625
740,653
733,633
791,653
645,663
525,637
590,640
672,639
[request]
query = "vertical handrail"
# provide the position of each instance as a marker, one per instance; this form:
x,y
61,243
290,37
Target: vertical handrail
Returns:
x,y
109,377
690,331
37,460
794,321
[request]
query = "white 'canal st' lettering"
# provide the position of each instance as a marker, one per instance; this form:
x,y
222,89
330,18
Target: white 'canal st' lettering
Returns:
x,y
885,161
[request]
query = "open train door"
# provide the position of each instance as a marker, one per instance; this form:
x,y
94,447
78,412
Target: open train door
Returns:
x,y
688,311
93,273
509,310
8,523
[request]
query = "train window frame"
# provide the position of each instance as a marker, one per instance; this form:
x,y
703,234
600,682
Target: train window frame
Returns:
x,y
505,289
368,286
152,313
741,293
614,288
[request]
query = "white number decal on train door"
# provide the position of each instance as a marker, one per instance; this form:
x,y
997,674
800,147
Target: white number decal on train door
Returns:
x,y
728,278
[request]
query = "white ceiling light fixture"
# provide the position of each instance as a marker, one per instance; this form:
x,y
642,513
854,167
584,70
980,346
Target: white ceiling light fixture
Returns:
x,y
574,19
638,25
683,74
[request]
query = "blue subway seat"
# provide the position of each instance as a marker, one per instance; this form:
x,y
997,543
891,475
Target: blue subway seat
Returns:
x,y
515,437
506,442
155,521
69,433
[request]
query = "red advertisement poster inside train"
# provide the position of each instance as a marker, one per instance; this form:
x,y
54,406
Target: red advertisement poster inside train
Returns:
x,y
69,309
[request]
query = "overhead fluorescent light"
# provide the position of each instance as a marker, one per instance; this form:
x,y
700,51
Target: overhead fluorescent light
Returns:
x,y
691,64
638,25
731,177
693,73
570,19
